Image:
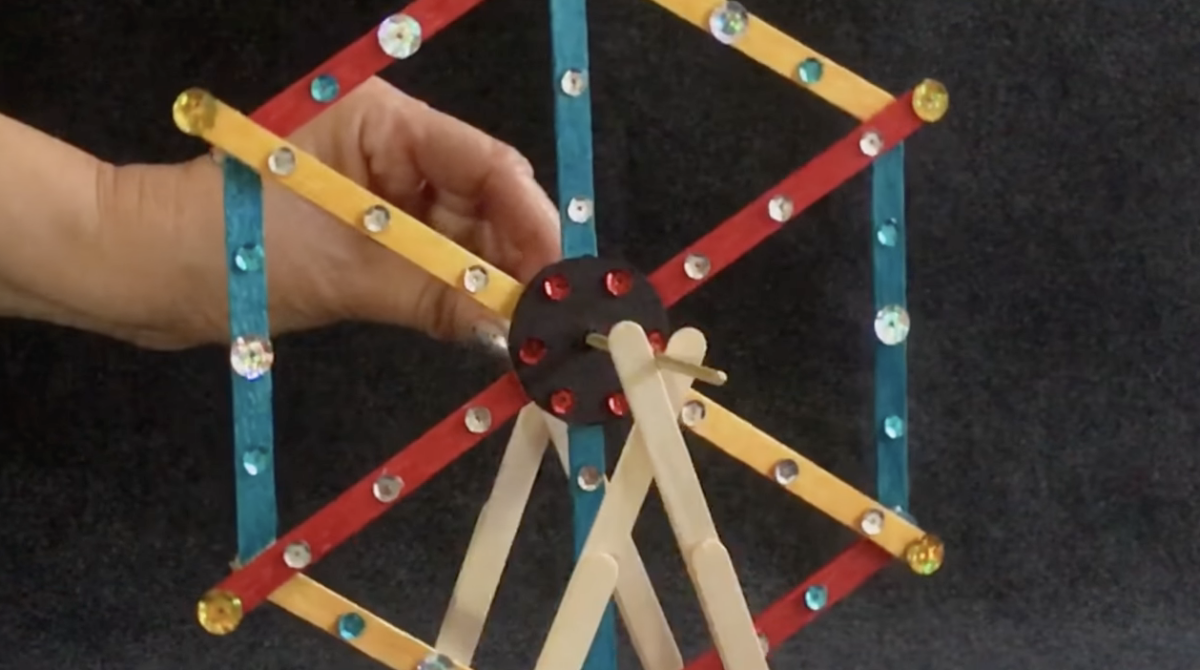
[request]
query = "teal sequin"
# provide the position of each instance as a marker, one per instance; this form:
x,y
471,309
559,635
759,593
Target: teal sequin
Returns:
x,y
810,71
436,662
816,597
249,258
256,461
324,88
350,626
887,233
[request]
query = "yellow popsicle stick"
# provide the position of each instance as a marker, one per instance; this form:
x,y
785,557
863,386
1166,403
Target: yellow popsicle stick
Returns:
x,y
783,55
811,483
312,602
199,113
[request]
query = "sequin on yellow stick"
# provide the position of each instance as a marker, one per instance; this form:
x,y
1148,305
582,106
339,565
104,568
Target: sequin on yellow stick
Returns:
x,y
199,113
195,111
930,101
219,612
925,555
783,55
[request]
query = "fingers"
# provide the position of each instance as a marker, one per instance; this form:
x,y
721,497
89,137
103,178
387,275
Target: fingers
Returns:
x,y
468,185
475,177
454,316
522,216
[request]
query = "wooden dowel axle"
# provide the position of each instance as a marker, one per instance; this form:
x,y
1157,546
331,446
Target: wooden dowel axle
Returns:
x,y
664,361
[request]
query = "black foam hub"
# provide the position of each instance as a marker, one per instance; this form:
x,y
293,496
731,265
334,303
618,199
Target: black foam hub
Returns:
x,y
585,304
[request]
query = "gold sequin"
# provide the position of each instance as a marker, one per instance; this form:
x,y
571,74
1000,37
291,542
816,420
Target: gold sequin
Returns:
x,y
195,111
219,612
924,556
930,101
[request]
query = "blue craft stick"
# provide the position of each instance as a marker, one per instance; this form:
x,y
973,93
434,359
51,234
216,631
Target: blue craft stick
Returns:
x,y
253,423
573,124
891,373
576,195
586,447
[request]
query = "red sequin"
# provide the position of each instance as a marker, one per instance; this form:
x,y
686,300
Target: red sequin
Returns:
x,y
617,404
562,401
556,287
657,341
532,351
618,282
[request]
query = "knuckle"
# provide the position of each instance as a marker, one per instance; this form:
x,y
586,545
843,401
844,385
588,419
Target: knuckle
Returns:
x,y
508,155
441,310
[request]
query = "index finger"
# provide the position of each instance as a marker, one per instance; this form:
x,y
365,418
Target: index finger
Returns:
x,y
485,175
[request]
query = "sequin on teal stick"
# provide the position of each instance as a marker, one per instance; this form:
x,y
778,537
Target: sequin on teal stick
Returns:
x,y
887,233
586,447
573,127
256,461
324,88
891,373
576,196
249,258
253,423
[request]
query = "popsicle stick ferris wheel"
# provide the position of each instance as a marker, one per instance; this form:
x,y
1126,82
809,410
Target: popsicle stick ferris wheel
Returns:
x,y
590,342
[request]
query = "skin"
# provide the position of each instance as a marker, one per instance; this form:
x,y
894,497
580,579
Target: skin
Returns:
x,y
137,252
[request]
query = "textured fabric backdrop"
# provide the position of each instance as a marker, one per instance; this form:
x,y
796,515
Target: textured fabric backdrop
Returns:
x,y
1052,286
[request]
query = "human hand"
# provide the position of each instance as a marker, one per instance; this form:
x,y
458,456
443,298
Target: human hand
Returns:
x,y
162,230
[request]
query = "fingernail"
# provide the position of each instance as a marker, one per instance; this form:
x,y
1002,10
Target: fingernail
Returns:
x,y
492,337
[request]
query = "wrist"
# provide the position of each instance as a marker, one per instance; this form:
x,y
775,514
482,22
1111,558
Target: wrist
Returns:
x,y
160,225
49,213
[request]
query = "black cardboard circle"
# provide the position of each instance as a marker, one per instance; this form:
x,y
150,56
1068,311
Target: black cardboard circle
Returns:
x,y
568,362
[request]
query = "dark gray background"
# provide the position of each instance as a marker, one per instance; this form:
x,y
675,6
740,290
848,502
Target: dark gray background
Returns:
x,y
1053,290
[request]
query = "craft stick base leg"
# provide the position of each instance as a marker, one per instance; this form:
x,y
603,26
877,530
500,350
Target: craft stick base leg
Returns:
x,y
585,601
712,574
727,614
492,540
